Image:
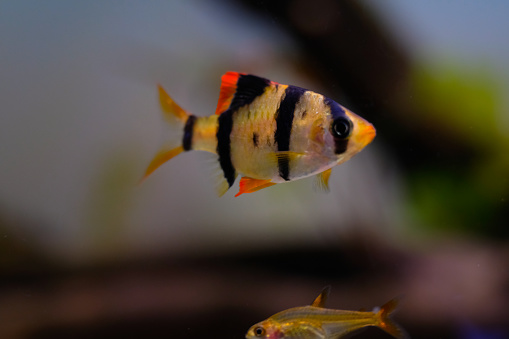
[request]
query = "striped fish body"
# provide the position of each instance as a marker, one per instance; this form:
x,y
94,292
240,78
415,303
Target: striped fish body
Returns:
x,y
282,131
318,322
267,132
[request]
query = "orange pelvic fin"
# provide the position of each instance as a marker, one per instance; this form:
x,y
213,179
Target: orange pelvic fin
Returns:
x,y
160,158
250,185
227,91
322,180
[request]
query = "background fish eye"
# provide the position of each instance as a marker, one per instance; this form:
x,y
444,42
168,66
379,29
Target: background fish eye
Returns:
x,y
341,128
259,331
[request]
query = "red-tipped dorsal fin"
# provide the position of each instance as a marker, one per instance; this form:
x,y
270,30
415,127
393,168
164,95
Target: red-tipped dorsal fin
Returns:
x,y
228,89
322,298
250,185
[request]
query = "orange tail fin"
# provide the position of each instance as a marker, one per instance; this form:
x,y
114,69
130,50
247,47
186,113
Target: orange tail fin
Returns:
x,y
161,158
170,108
387,324
175,119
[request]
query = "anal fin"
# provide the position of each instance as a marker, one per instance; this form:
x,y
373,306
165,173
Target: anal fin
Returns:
x,y
250,185
217,175
222,185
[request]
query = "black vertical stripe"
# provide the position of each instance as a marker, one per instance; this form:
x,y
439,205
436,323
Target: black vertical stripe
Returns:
x,y
340,145
335,109
249,87
284,121
255,139
224,129
188,133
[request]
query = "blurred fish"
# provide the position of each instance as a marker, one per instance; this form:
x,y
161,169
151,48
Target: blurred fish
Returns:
x,y
315,321
267,132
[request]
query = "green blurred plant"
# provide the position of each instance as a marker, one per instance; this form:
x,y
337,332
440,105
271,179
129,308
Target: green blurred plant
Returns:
x,y
470,193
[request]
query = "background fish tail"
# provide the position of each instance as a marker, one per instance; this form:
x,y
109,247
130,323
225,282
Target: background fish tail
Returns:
x,y
387,324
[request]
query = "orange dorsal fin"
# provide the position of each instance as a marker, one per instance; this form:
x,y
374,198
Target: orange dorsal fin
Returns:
x,y
322,298
250,185
227,91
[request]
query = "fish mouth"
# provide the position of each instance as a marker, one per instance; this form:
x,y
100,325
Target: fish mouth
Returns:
x,y
364,132
367,134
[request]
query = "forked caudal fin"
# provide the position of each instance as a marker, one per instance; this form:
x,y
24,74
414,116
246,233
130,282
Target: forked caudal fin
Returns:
x,y
175,118
387,324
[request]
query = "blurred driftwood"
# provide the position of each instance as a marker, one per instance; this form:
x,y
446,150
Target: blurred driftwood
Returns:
x,y
224,294
347,47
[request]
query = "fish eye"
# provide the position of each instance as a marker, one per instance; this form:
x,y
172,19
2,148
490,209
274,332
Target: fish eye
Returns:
x,y
259,331
341,128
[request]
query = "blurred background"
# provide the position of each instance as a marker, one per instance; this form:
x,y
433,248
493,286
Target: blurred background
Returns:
x,y
422,212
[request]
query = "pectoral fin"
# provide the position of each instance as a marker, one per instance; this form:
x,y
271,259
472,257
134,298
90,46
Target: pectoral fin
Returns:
x,y
274,158
250,185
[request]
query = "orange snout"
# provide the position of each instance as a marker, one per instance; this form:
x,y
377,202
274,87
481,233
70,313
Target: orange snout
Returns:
x,y
363,133
366,133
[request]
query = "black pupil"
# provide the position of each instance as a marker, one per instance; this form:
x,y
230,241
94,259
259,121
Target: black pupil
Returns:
x,y
341,128
259,331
